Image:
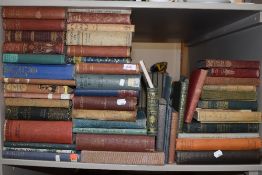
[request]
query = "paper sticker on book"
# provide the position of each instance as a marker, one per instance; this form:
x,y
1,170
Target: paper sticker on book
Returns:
x,y
218,153
121,102
129,67
133,82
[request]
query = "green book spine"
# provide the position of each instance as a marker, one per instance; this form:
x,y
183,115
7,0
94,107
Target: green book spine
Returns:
x,y
152,110
34,58
228,95
110,131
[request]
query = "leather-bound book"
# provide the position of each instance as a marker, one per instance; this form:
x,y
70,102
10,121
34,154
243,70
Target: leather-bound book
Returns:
x,y
38,81
231,81
38,95
31,58
233,72
100,27
223,63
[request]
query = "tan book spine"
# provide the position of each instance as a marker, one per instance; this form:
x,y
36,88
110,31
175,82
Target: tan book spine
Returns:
x,y
232,81
38,95
230,88
100,27
228,95
100,10
39,81
173,136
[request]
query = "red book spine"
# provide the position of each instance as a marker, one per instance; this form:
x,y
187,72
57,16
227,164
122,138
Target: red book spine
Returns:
x,y
34,12
98,18
209,63
38,131
232,72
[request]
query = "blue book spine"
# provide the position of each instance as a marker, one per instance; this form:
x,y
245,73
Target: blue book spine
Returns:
x,y
166,94
122,60
106,92
60,157
40,145
167,132
61,72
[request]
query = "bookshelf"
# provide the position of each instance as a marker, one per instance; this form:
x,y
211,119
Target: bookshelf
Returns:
x,y
211,30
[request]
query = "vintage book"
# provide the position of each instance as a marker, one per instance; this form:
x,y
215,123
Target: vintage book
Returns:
x,y
161,124
196,83
100,27
233,72
218,135
35,131
37,102
108,142
98,38
140,123
229,88
173,136
228,95
105,103
38,95
131,158
99,51
33,36
34,24
106,92
167,88
107,68
100,10
231,81
95,81
120,60
31,71
34,88
210,63
98,18
110,131
38,150
196,127
199,144
40,145
58,157
227,116
227,157
33,47
104,115
167,132
152,110
34,12
157,80
36,113
231,104
39,81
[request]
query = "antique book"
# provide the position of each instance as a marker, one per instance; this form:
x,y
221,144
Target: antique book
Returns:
x,y
240,88
110,131
233,72
36,113
105,92
196,83
100,10
39,81
36,131
107,68
35,145
118,60
167,132
173,136
152,110
167,88
231,81
38,150
109,142
38,95
199,144
99,51
104,115
210,63
161,124
218,135
100,27
131,158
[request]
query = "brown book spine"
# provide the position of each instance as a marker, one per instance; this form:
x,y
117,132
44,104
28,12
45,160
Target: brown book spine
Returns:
x,y
34,12
34,24
105,103
218,144
231,81
110,142
106,68
35,131
130,158
33,47
233,72
38,95
99,18
173,136
100,27
39,81
208,63
98,51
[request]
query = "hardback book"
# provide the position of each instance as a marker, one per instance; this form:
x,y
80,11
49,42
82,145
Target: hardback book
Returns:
x,y
104,115
36,113
38,95
218,135
231,81
34,12
98,38
33,36
173,136
158,80
31,71
28,155
202,144
36,131
196,83
110,131
227,157
116,60
35,145
233,72
98,18
210,63
241,88
105,92
99,51
227,116
109,142
100,10
100,27
38,150
152,110
34,24
39,81
131,158
167,132
103,81
161,124
167,88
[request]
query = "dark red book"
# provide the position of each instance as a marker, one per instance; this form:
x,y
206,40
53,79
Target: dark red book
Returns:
x,y
233,72
196,83
212,63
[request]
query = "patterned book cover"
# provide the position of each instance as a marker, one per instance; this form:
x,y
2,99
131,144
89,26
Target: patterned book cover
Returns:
x,y
100,27
123,60
152,110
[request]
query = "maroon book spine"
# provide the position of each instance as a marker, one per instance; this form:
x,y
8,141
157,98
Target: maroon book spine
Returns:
x,y
110,142
233,72
209,63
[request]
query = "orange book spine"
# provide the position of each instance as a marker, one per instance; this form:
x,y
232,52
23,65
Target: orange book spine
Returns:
x,y
38,95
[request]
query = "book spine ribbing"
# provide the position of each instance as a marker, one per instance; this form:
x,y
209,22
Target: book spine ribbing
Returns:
x,y
152,110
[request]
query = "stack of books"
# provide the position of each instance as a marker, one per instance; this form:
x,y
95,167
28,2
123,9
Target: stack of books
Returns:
x,y
37,84
222,99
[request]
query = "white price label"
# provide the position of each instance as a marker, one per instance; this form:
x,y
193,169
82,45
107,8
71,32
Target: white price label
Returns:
x,y
65,96
218,153
129,67
121,101
57,158
50,96
122,82
133,82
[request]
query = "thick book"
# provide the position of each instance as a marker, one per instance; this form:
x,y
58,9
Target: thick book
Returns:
x,y
36,131
100,27
100,10
233,72
173,136
196,83
34,58
34,12
34,24
227,116
38,150
241,88
35,145
39,81
36,113
31,71
199,144
107,68
28,155
105,92
99,51
98,18
161,124
98,38
115,60
108,142
152,110
130,158
104,115
103,81
227,157
110,131
38,95
231,81
223,63
218,135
